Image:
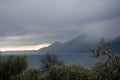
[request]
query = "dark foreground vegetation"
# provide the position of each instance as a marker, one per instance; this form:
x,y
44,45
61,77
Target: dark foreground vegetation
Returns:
x,y
107,67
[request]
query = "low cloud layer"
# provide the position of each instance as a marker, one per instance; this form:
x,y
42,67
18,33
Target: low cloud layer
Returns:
x,y
31,22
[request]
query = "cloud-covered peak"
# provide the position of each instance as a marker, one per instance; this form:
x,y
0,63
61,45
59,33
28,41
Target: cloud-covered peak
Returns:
x,y
53,20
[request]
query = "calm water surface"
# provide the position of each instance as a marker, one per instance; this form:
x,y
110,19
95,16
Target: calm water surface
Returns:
x,y
33,57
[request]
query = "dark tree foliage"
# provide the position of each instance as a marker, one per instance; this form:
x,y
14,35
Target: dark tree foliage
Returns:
x,y
49,60
29,74
13,65
69,72
108,65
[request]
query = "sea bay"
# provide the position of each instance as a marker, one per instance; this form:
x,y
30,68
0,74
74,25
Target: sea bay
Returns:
x,y
33,57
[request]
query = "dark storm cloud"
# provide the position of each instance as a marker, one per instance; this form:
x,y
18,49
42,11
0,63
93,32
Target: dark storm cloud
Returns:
x,y
51,20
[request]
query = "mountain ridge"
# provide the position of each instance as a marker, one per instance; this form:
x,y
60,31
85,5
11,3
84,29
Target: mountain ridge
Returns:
x,y
78,44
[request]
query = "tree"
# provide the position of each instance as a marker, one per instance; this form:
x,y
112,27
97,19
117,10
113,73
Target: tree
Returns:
x,y
49,60
108,65
76,72
29,74
69,72
54,73
13,65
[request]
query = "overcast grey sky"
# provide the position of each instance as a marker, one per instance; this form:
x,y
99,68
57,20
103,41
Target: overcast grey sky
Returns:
x,y
31,22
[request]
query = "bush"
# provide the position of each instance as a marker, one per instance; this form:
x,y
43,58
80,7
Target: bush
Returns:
x,y
13,65
29,74
69,72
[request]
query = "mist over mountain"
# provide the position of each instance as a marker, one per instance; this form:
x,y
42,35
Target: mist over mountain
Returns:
x,y
52,48
79,44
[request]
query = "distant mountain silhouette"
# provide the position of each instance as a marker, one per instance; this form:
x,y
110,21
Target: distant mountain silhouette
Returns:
x,y
52,48
78,44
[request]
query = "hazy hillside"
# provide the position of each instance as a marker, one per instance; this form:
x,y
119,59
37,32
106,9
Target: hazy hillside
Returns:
x,y
76,45
52,48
